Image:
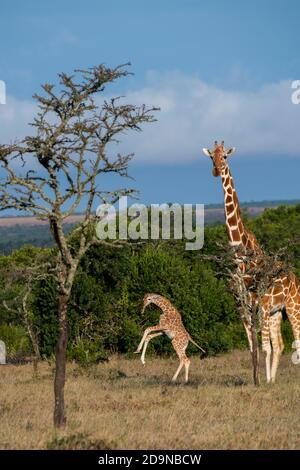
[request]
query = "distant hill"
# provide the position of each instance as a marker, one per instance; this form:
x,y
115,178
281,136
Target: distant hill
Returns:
x,y
18,231
263,204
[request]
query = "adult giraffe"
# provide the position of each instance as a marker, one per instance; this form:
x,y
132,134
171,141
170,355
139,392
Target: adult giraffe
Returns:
x,y
285,290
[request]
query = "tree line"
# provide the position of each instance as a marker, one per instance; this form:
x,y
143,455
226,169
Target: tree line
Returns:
x,y
105,305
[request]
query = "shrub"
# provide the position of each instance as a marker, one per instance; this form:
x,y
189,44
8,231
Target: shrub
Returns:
x,y
78,441
86,352
16,340
105,312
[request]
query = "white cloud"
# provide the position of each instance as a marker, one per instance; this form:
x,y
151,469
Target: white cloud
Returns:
x,y
14,118
194,114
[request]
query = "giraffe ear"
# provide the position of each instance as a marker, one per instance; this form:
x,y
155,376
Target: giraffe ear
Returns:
x,y
206,152
230,151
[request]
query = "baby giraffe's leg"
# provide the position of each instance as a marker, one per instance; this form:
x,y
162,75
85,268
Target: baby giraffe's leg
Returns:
x,y
178,370
149,337
187,366
146,332
184,360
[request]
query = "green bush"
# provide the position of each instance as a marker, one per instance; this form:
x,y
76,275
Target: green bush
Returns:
x,y
45,315
287,335
105,308
16,340
86,352
108,293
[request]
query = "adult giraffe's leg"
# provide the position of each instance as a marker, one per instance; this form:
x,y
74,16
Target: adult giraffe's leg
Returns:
x,y
266,342
146,332
149,337
293,313
277,342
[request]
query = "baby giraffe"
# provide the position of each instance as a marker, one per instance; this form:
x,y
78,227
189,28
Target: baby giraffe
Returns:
x,y
171,324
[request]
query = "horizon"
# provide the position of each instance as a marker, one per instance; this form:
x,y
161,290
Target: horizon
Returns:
x,y
264,204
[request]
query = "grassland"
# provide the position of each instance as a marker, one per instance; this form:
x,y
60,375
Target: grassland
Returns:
x,y
123,405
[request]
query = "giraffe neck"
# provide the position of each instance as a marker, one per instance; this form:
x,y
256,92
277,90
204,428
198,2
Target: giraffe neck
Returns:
x,y
160,302
236,230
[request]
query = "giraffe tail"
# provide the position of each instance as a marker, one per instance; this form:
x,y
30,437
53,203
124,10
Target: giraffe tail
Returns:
x,y
194,342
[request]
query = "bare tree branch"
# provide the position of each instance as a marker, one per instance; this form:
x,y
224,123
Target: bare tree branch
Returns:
x,y
59,168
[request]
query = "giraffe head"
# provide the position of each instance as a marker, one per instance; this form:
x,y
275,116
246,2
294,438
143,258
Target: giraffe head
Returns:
x,y
148,298
218,156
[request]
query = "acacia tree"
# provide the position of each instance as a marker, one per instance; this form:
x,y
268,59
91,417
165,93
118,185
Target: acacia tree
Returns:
x,y
250,285
55,172
19,274
18,281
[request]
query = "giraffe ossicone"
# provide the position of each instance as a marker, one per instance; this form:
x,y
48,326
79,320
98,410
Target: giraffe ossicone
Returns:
x,y
170,323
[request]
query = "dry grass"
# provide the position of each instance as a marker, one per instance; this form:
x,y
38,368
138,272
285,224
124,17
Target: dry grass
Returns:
x,y
128,406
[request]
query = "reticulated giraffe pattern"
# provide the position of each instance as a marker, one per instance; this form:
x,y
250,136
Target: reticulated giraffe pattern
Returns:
x,y
170,323
285,291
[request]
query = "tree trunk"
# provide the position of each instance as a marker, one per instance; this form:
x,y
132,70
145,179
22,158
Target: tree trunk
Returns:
x,y
34,339
60,370
255,348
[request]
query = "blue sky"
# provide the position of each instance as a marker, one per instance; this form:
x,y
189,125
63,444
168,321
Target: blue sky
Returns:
x,y
218,69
